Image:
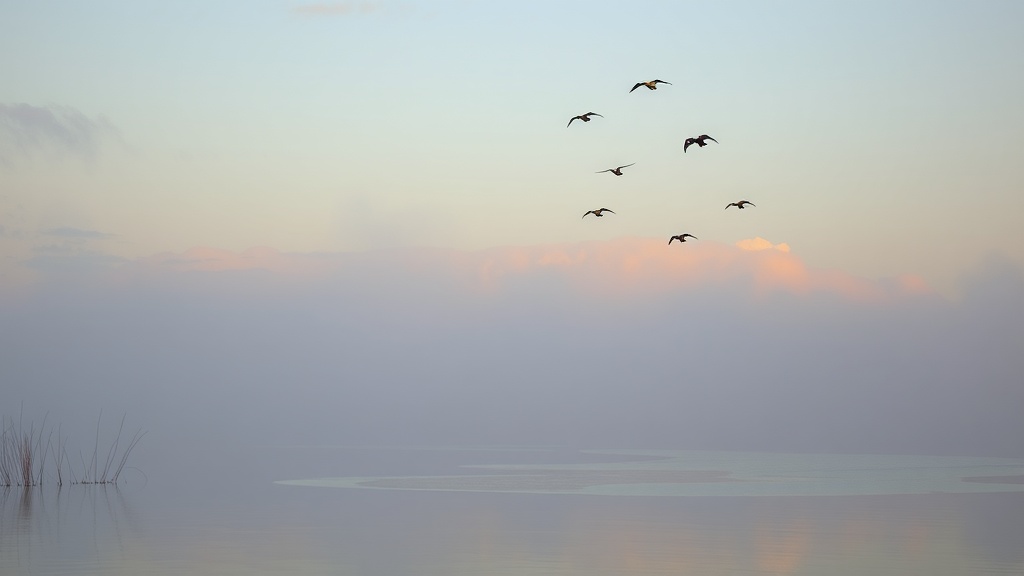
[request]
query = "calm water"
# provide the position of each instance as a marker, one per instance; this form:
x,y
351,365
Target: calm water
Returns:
x,y
452,512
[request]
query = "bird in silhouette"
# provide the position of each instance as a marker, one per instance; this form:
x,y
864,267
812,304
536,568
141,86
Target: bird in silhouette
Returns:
x,y
584,117
741,204
681,238
599,212
699,141
652,85
616,171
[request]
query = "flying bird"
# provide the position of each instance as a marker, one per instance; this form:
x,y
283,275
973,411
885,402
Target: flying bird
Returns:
x,y
616,171
681,238
599,212
584,117
652,85
699,141
741,204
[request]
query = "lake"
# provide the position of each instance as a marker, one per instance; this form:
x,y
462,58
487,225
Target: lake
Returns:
x,y
523,510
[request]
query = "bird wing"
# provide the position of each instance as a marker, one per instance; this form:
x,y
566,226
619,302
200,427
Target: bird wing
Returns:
x,y
730,204
687,143
637,85
626,166
570,121
594,114
706,137
599,171
691,236
671,239
589,212
607,210
662,81
751,203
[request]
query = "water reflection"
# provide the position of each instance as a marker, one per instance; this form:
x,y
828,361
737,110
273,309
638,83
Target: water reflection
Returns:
x,y
52,527
787,536
467,534
239,522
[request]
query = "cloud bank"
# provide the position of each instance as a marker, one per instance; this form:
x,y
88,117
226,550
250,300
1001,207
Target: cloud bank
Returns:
x,y
626,266
627,343
53,131
75,233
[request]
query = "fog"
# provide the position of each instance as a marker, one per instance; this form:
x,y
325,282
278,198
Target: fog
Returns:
x,y
618,344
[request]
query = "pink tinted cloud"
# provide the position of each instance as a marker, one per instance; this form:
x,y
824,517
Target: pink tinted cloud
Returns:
x,y
649,266
624,266
758,243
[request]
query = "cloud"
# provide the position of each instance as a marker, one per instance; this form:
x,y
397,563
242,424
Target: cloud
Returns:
x,y
755,244
67,252
63,261
76,233
207,259
51,130
338,8
622,267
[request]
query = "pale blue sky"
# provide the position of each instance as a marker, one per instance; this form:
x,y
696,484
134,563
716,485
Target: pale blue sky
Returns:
x,y
878,138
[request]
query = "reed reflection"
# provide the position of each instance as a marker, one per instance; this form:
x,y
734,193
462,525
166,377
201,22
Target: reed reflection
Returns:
x,y
48,526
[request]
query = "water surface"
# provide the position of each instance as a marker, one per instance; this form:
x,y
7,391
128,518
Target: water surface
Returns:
x,y
280,510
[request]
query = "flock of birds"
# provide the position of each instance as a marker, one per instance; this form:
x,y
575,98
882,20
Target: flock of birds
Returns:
x,y
701,141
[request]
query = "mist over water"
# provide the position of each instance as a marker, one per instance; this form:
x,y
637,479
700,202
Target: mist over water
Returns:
x,y
245,378
414,347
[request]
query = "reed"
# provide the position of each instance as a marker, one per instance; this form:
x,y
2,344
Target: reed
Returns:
x,y
19,447
24,455
113,463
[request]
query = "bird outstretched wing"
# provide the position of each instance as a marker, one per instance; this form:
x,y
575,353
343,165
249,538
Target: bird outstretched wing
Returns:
x,y
637,85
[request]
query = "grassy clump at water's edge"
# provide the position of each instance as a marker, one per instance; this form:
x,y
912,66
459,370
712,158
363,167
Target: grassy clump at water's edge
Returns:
x,y
24,456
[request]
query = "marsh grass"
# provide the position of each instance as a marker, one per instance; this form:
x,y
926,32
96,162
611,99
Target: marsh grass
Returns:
x,y
24,452
113,464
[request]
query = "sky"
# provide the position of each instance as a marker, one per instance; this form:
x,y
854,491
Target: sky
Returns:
x,y
362,221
